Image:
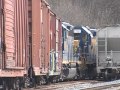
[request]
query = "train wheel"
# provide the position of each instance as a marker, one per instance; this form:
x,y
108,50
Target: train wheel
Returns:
x,y
107,76
5,86
54,80
76,78
16,85
26,82
40,83
115,77
58,79
43,80
61,79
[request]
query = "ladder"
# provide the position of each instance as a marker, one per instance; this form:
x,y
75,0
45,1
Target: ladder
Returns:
x,y
102,44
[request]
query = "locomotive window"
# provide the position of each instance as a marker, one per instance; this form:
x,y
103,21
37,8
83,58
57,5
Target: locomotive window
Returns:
x,y
76,36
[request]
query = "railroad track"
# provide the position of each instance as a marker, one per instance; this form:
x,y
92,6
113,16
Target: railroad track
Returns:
x,y
108,87
94,86
104,86
81,85
63,85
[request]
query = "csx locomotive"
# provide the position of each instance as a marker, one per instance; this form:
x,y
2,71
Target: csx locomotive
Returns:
x,y
79,59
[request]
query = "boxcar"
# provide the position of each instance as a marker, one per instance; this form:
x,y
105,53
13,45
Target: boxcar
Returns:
x,y
55,47
13,42
30,43
34,12
39,40
44,55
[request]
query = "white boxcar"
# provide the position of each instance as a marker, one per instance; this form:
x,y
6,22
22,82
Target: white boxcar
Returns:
x,y
108,52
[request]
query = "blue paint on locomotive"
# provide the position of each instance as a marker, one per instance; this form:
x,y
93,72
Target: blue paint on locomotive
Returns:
x,y
85,39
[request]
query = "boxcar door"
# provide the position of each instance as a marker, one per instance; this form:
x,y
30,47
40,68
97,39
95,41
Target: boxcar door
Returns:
x,y
44,38
53,42
14,33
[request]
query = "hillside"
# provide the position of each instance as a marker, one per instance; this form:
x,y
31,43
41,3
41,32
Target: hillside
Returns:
x,y
94,13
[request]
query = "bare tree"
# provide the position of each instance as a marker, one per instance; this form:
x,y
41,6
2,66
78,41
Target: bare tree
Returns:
x,y
95,13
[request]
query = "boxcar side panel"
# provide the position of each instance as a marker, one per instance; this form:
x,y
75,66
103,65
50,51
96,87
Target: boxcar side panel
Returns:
x,y
53,66
9,35
26,32
20,32
36,36
13,28
14,35
45,46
